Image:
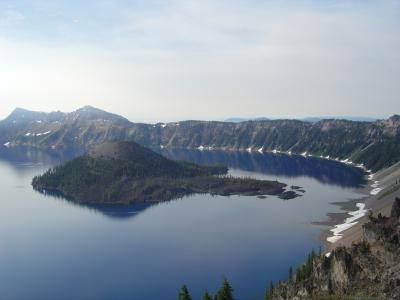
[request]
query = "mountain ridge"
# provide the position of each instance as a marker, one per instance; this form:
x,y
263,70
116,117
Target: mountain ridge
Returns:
x,y
305,119
374,144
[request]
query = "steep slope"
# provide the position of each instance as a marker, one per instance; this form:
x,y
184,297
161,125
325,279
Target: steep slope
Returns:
x,y
75,132
366,269
24,123
375,144
23,116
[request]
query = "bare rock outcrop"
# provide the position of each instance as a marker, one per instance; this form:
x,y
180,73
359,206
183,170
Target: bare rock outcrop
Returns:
x,y
370,268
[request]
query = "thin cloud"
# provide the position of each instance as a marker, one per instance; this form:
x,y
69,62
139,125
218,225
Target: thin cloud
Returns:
x,y
11,17
174,60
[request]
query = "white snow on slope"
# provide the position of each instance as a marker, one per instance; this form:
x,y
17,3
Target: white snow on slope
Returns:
x,y
348,223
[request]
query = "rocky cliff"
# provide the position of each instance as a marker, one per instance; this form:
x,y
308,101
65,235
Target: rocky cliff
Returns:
x,y
375,144
367,269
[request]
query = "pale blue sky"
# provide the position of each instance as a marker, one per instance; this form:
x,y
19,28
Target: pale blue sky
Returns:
x,y
205,59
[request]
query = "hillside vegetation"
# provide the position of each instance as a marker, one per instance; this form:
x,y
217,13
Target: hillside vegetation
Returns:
x,y
125,172
375,144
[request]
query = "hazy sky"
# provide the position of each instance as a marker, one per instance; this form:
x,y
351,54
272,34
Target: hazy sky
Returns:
x,y
160,60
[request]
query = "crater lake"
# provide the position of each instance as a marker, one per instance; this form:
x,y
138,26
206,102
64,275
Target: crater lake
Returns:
x,y
52,248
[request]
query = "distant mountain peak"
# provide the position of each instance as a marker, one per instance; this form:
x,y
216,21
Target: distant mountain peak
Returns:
x,y
91,113
19,111
89,108
23,115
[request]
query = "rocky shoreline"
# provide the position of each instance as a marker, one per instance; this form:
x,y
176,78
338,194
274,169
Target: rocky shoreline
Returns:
x,y
376,202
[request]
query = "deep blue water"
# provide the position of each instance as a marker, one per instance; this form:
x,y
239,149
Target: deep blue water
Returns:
x,y
53,249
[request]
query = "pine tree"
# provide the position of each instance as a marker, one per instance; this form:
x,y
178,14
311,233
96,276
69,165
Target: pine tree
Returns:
x,y
269,291
207,296
313,255
290,274
184,293
225,292
267,294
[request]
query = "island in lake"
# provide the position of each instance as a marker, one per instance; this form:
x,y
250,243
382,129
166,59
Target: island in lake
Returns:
x,y
125,172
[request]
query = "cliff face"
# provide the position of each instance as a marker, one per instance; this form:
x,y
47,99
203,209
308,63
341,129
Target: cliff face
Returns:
x,y
376,144
367,269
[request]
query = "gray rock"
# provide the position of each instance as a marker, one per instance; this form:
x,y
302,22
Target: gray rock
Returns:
x,y
370,268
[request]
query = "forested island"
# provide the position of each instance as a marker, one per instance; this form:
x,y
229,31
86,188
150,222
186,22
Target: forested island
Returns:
x,y
125,172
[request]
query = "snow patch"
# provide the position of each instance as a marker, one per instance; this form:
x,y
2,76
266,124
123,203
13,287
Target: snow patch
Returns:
x,y
375,184
375,188
375,191
348,223
37,134
43,133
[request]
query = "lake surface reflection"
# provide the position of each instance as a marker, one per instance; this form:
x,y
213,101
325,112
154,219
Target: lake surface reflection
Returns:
x,y
54,249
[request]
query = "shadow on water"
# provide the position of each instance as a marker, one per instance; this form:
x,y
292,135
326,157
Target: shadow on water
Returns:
x,y
116,211
23,159
325,171
20,156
